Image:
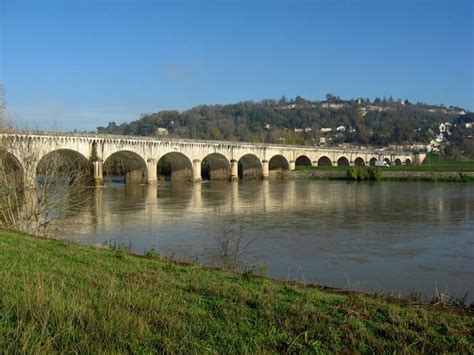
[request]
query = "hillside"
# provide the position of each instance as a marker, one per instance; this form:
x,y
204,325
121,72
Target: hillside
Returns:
x,y
299,121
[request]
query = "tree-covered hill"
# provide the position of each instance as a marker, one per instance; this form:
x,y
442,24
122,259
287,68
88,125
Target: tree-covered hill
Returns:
x,y
299,121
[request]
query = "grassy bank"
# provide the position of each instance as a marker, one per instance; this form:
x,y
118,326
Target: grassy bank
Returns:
x,y
379,174
58,296
433,169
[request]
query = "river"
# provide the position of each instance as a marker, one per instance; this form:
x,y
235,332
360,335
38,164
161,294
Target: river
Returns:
x,y
389,237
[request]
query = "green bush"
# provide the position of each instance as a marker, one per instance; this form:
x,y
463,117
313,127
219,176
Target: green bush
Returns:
x,y
374,174
352,173
358,173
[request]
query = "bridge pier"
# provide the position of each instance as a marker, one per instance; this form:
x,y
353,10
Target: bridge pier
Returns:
x,y
292,165
152,177
98,167
197,170
29,180
315,163
29,177
234,170
265,169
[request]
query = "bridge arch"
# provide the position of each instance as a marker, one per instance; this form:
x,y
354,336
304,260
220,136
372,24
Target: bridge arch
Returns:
x,y
64,166
408,162
125,166
359,161
11,169
278,162
215,166
387,160
324,161
250,167
398,162
303,160
343,161
175,166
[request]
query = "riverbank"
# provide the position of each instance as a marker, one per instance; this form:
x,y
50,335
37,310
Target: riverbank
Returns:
x,y
382,174
433,169
64,297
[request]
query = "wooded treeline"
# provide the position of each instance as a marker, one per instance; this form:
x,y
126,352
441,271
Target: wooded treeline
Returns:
x,y
299,121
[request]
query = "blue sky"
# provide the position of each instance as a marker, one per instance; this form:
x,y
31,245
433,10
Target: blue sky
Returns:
x,y
79,64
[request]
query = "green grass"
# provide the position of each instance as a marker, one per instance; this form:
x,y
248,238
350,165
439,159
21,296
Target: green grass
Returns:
x,y
433,169
62,297
431,164
434,166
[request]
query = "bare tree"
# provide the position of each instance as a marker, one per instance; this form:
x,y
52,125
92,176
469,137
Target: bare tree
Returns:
x,y
60,187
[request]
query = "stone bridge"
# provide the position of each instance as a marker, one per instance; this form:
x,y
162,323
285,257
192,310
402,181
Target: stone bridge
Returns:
x,y
146,160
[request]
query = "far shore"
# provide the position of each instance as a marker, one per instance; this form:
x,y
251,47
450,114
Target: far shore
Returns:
x,y
437,172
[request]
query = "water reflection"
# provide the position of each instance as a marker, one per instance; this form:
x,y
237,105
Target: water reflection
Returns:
x,y
378,237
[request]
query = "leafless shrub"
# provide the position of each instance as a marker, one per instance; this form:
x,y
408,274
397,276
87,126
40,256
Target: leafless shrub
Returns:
x,y
39,206
229,249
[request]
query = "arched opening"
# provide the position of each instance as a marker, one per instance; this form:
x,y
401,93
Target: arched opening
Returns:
x,y
125,167
386,160
302,160
359,162
278,162
250,167
342,161
408,162
324,161
64,167
398,162
215,167
175,166
372,161
11,171
11,188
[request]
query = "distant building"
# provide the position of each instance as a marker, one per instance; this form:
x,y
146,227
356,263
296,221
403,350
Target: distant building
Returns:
x,y
341,129
298,130
160,131
415,146
308,129
332,106
448,126
469,125
322,141
326,130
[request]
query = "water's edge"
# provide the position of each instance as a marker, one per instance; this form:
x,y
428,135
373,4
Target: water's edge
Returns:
x,y
385,175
